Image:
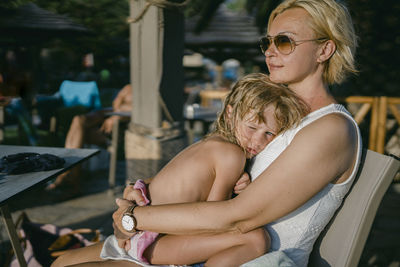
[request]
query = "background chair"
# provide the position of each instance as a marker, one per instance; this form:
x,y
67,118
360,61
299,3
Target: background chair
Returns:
x,y
17,112
80,94
115,146
73,98
343,240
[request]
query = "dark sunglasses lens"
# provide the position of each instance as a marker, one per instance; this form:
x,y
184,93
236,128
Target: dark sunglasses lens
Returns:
x,y
264,44
284,44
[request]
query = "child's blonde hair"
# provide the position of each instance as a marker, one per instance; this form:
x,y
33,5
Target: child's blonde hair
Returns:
x,y
253,93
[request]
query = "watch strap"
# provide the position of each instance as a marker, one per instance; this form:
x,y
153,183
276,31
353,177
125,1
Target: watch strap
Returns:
x,y
130,209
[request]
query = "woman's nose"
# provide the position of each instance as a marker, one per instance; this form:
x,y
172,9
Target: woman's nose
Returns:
x,y
271,51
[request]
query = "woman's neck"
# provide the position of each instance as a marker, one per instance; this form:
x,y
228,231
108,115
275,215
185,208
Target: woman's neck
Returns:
x,y
315,94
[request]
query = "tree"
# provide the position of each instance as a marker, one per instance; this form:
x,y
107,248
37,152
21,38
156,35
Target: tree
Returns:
x,y
106,19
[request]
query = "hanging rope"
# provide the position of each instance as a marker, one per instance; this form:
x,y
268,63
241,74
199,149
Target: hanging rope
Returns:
x,y
168,4
160,4
165,109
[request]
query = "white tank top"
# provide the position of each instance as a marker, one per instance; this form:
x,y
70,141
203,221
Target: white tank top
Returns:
x,y
296,232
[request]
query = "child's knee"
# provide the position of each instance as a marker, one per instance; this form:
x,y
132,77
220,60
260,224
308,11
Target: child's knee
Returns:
x,y
259,240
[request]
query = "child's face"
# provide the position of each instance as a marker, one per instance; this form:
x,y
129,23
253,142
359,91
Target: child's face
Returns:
x,y
253,136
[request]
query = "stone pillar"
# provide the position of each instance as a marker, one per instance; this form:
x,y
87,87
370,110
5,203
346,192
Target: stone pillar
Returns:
x,y
156,132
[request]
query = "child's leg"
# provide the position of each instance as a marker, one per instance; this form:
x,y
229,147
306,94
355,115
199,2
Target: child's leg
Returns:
x,y
80,255
228,249
107,264
258,243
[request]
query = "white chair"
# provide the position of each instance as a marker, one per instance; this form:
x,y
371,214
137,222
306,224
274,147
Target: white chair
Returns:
x,y
343,240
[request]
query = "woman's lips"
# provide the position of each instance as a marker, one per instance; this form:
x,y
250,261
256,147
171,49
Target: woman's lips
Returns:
x,y
273,67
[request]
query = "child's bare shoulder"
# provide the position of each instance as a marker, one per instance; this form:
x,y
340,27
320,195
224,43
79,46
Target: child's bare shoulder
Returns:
x,y
223,149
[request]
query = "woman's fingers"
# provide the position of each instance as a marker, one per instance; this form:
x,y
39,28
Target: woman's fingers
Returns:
x,y
127,245
122,239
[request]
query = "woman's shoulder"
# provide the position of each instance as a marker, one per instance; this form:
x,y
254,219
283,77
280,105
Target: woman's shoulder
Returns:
x,y
332,123
332,132
337,122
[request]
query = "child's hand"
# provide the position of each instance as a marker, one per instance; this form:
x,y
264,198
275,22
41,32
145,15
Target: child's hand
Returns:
x,y
134,195
242,183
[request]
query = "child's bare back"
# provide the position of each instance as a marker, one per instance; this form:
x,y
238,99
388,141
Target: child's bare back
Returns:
x,y
205,171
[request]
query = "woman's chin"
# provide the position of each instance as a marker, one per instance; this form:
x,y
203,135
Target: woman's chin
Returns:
x,y
275,78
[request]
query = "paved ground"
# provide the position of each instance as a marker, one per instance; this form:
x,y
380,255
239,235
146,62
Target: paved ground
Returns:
x,y
93,208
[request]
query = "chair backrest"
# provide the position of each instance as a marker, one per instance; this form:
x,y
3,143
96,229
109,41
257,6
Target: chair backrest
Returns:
x,y
80,93
343,240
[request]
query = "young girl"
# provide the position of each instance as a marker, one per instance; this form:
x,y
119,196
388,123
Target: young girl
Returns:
x,y
255,111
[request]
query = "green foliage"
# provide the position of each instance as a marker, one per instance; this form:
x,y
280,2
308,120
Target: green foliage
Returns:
x,y
106,19
107,39
11,4
194,7
237,5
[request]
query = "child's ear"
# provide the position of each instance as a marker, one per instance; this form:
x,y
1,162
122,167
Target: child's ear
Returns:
x,y
229,110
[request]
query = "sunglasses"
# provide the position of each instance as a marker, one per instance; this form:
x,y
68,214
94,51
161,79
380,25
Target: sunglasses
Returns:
x,y
283,43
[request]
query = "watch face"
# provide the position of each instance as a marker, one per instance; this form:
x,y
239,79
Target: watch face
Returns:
x,y
128,223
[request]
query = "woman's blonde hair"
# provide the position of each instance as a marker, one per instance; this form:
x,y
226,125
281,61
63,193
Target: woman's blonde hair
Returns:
x,y
253,93
329,19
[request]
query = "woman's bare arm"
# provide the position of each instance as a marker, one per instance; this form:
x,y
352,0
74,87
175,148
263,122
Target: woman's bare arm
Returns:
x,y
321,153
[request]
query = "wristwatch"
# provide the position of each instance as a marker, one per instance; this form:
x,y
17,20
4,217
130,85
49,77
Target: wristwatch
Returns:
x,y
129,220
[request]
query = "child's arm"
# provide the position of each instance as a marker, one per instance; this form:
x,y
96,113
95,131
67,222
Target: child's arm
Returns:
x,y
229,165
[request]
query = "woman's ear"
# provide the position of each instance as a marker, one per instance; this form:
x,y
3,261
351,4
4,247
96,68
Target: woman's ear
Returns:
x,y
326,51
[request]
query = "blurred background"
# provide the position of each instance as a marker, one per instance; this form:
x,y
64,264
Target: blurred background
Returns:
x,y
90,39
44,43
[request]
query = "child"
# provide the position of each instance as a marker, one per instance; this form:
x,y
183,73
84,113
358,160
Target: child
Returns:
x,y
255,111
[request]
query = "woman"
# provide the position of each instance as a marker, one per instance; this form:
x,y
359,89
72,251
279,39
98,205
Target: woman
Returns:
x,y
310,45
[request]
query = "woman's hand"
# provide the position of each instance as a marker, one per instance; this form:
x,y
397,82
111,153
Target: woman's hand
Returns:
x,y
242,183
130,196
121,235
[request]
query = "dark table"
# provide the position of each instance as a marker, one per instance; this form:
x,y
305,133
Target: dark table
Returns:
x,y
12,186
